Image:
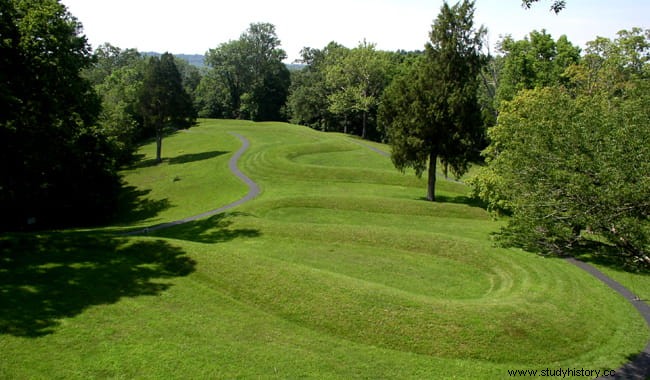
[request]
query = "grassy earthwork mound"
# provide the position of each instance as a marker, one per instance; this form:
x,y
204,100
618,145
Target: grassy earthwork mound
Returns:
x,y
339,269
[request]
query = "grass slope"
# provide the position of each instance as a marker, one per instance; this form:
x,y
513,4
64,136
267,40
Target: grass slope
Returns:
x,y
337,270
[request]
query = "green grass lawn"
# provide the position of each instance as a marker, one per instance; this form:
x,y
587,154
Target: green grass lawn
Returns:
x,y
339,269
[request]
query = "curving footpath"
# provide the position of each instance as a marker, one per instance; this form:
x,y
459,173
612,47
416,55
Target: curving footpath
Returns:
x,y
639,368
253,191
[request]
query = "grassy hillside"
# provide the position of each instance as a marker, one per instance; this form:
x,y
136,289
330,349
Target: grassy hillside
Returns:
x,y
339,269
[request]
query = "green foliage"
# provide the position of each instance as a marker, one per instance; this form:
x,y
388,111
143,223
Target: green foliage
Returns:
x,y
432,110
340,88
357,81
556,5
308,101
117,76
163,102
251,71
573,171
108,58
535,61
570,163
211,97
58,167
608,66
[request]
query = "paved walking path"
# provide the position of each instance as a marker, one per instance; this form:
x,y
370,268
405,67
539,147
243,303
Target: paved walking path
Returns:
x,y
639,368
253,191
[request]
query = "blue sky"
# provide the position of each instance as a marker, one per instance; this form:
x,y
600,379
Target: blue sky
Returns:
x,y
194,26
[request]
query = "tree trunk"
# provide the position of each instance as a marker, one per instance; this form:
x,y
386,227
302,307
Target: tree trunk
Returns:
x,y
363,130
431,186
158,146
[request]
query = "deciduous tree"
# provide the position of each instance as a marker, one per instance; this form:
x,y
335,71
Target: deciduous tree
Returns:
x,y
358,80
573,170
308,99
252,71
56,165
569,163
535,61
556,5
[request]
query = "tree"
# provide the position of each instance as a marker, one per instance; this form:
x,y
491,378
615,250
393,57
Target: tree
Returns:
x,y
535,61
108,58
556,6
211,97
309,92
608,66
432,111
569,163
163,101
252,71
57,167
357,80
573,171
116,76
119,119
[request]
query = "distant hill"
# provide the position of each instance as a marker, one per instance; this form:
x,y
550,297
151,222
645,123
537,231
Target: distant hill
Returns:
x,y
197,59
295,66
193,59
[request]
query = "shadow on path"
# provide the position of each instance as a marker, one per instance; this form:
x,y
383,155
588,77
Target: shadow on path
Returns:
x,y
44,278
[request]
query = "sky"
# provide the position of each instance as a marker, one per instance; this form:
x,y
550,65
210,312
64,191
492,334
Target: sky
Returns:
x,y
194,26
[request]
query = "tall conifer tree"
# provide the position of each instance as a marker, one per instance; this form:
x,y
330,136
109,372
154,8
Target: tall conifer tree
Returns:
x,y
164,102
432,111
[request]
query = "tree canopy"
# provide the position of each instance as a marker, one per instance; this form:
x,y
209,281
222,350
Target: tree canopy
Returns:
x,y
254,79
57,165
570,162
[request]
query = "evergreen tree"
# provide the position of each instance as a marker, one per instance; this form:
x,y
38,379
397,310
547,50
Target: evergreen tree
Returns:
x,y
163,101
432,112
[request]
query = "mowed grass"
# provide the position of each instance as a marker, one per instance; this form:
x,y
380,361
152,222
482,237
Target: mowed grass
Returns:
x,y
338,269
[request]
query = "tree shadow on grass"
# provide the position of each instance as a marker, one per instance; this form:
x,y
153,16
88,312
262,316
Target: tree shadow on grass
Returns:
x,y
607,256
134,205
192,157
44,278
182,159
459,199
215,229
638,367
